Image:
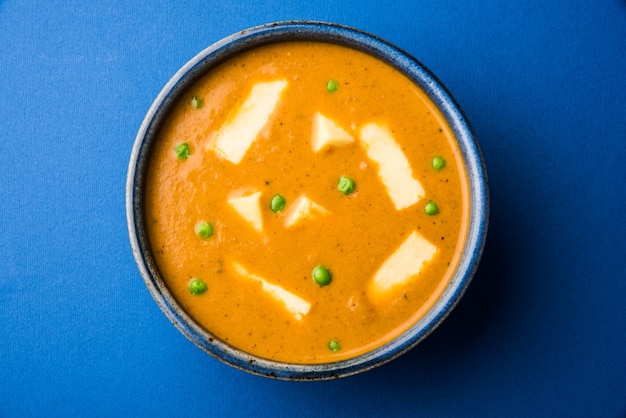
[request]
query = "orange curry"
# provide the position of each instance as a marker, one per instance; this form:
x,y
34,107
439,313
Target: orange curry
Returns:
x,y
291,119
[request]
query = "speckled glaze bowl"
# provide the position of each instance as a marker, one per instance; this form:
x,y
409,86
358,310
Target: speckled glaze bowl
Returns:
x,y
204,62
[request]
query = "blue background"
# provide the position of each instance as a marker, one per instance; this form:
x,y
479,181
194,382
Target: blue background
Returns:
x,y
540,332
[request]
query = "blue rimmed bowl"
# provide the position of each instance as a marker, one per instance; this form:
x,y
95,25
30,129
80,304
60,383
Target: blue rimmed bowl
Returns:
x,y
235,44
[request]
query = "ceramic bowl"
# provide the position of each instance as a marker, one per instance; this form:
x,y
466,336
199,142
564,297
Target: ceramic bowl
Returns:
x,y
298,31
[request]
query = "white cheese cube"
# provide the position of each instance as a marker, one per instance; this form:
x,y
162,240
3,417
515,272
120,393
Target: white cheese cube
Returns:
x,y
327,133
248,206
294,304
393,167
243,127
403,265
302,209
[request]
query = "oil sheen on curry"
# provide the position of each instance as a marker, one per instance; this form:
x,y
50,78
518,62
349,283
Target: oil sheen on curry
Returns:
x,y
306,202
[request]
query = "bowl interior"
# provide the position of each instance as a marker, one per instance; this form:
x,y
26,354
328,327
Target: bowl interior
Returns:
x,y
300,31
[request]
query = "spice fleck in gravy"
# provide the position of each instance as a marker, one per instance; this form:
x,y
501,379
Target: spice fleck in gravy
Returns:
x,y
306,202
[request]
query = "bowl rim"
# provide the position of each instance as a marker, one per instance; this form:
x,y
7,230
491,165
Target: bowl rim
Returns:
x,y
307,30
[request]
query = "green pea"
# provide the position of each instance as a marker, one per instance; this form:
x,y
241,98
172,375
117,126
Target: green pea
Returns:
x,y
334,345
321,275
346,185
278,203
438,163
204,229
197,286
196,102
431,208
182,151
332,86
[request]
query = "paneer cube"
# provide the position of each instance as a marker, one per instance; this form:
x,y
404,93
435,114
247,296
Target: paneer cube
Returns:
x,y
292,303
403,265
327,133
393,167
303,209
248,206
244,125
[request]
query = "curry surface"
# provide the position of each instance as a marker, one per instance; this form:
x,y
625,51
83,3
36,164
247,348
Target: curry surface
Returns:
x,y
363,230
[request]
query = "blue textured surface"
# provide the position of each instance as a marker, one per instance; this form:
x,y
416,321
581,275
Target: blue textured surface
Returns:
x,y
540,332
